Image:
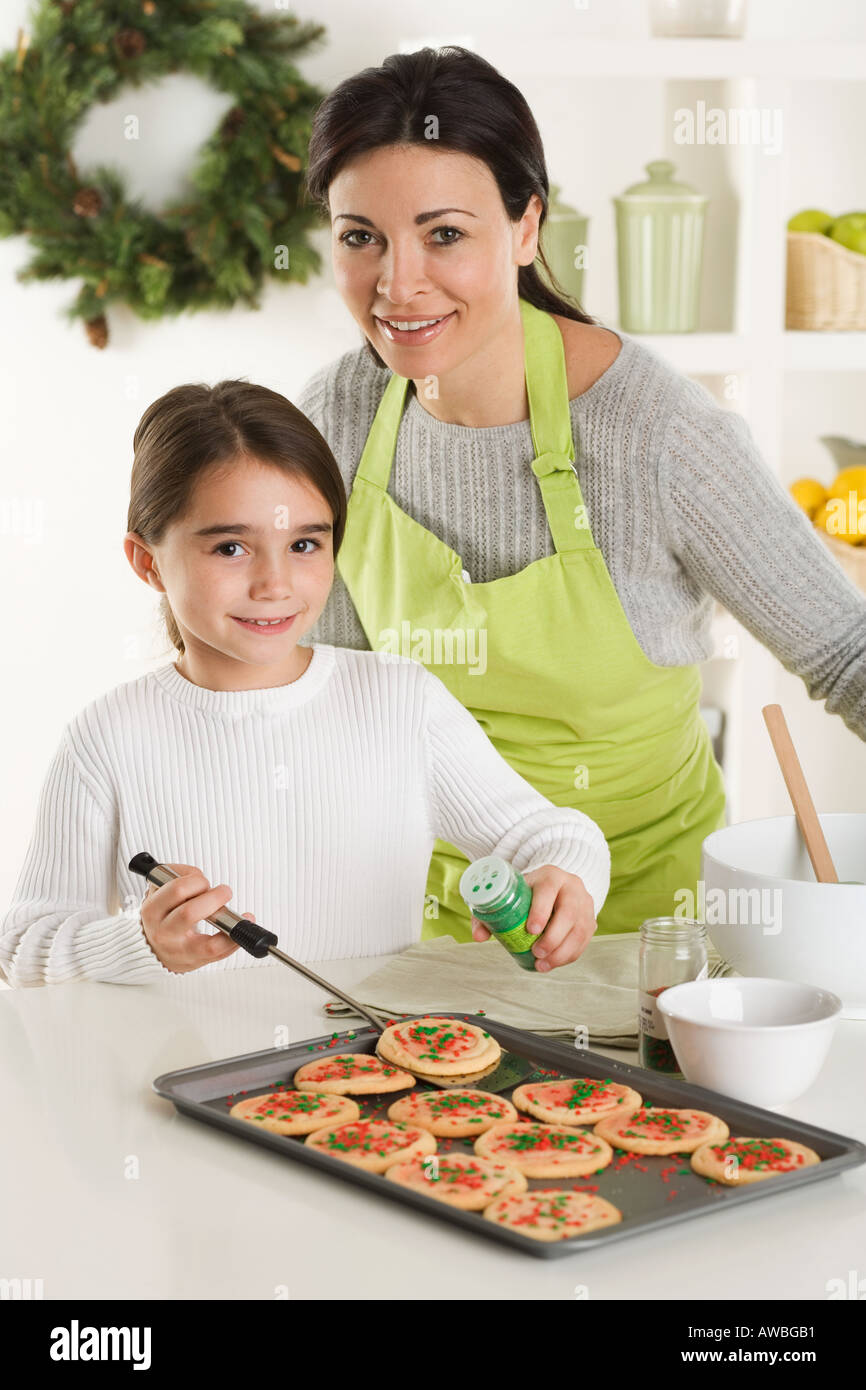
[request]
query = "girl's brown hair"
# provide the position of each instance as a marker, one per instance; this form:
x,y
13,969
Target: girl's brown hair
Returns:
x,y
478,111
194,426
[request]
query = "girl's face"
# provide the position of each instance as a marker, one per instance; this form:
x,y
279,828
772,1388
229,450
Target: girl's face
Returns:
x,y
421,234
255,543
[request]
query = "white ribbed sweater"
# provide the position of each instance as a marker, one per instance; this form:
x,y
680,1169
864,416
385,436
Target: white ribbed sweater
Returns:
x,y
317,802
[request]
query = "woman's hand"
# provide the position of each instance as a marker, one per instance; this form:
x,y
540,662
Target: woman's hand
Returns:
x,y
169,915
562,911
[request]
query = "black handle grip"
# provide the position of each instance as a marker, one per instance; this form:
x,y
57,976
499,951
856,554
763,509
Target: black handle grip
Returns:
x,y
251,936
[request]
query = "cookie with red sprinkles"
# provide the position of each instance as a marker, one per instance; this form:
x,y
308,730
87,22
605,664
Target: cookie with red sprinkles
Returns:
x,y
351,1073
296,1112
436,1046
455,1114
755,1159
550,1213
373,1144
575,1100
545,1151
653,1129
461,1180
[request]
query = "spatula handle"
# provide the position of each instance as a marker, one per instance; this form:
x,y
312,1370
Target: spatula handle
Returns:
x,y
804,807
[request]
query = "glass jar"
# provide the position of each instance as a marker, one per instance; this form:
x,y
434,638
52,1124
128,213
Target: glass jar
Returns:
x,y
672,950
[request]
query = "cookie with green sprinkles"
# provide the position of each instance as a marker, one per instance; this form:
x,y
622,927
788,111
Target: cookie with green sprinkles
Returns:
x,y
435,1045
351,1073
295,1112
575,1100
755,1159
453,1114
373,1144
653,1129
550,1213
545,1151
461,1180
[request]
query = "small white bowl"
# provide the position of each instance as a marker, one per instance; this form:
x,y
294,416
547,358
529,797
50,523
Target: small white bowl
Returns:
x,y
760,1040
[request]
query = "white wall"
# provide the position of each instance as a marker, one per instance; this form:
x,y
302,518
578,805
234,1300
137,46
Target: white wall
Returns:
x,y
77,621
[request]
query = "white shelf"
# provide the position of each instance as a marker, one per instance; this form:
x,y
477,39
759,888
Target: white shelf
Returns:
x,y
700,353
571,55
824,352
717,353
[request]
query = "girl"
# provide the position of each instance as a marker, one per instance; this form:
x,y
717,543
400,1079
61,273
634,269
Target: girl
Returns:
x,y
517,467
315,779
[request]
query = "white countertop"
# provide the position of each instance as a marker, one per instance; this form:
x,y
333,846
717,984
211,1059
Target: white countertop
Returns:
x,y
108,1192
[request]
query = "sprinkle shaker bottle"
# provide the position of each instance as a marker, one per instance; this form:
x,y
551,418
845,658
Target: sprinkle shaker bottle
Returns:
x,y
672,950
500,897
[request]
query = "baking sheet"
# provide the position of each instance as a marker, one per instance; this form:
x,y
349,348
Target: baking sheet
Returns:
x,y
650,1190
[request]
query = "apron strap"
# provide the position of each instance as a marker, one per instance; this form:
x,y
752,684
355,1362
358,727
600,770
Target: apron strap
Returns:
x,y
377,455
550,422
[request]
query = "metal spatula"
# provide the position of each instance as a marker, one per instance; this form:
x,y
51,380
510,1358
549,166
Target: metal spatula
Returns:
x,y
258,941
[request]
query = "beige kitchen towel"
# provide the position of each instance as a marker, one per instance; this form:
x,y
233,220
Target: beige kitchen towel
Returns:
x,y
597,993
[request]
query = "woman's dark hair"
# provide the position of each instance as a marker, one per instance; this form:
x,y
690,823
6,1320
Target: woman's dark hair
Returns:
x,y
193,427
479,112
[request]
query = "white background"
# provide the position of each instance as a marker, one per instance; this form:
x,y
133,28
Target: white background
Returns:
x,y
76,619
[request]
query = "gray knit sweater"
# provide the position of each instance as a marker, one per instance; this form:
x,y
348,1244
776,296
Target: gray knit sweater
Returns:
x,y
680,502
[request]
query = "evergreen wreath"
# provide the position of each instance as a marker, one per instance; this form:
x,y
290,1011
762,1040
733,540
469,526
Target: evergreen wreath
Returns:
x,y
248,218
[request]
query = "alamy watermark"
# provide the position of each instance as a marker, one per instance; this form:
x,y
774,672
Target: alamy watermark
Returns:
x,y
753,907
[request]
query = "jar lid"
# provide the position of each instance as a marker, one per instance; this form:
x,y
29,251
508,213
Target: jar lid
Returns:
x,y
485,881
556,207
661,186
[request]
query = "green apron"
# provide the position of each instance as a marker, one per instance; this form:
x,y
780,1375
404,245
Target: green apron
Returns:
x,y
568,696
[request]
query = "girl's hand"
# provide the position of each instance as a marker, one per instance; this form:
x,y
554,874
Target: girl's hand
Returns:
x,y
561,909
169,915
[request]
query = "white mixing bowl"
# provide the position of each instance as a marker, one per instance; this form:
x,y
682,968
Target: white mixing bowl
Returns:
x,y
766,915
762,1041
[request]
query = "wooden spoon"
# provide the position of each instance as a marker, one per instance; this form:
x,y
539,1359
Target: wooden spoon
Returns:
x,y
804,807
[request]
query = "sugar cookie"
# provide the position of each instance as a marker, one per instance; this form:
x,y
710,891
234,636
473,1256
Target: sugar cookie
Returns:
x,y
296,1112
438,1046
373,1144
452,1114
653,1129
575,1100
351,1073
545,1151
755,1159
550,1213
458,1082
461,1180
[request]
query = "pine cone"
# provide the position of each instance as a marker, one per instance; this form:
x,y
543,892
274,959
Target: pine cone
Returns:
x,y
66,7
88,202
232,122
130,43
97,331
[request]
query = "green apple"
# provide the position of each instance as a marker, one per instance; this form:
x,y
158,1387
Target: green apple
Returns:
x,y
810,220
850,231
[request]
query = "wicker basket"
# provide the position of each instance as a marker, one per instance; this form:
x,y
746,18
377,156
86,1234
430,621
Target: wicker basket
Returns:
x,y
825,286
852,558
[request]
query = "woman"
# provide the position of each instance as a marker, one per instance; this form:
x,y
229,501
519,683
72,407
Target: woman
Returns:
x,y
572,632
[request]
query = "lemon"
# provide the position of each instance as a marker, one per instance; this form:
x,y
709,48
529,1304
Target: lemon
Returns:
x,y
809,494
837,519
849,480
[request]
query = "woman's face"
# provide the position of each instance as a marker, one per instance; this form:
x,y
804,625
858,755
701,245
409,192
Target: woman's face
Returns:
x,y
268,554
422,233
